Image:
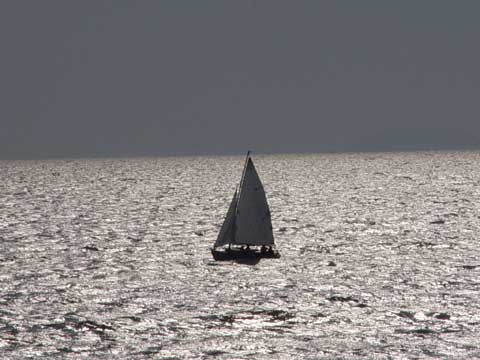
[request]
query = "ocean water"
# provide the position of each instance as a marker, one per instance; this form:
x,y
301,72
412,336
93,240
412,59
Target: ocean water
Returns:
x,y
109,258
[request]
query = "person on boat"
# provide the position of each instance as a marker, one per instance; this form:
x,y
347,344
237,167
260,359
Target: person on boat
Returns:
x,y
263,250
270,250
248,248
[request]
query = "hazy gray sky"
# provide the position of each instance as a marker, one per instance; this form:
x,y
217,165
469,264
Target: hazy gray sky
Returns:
x,y
102,78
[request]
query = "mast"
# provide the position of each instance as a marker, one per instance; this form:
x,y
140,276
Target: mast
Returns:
x,y
243,174
229,226
239,187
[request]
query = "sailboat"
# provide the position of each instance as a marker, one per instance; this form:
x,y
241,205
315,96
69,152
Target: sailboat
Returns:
x,y
247,229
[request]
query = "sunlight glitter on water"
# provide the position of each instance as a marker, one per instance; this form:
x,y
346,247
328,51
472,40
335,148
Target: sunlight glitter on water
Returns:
x,y
110,258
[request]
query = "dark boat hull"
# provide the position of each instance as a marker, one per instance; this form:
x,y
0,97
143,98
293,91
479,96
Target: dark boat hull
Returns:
x,y
238,254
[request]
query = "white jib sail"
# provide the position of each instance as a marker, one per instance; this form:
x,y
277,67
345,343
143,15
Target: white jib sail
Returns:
x,y
227,232
252,224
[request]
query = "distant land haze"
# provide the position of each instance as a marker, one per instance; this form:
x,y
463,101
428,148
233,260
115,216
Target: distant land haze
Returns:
x,y
121,78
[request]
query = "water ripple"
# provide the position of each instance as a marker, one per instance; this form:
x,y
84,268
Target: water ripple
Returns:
x,y
110,259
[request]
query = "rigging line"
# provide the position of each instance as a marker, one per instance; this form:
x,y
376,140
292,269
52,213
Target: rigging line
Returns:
x,y
240,186
243,175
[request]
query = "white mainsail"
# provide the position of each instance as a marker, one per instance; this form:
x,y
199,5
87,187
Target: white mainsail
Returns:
x,y
227,232
253,224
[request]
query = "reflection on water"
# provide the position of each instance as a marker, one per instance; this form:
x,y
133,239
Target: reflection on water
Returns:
x,y
110,258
